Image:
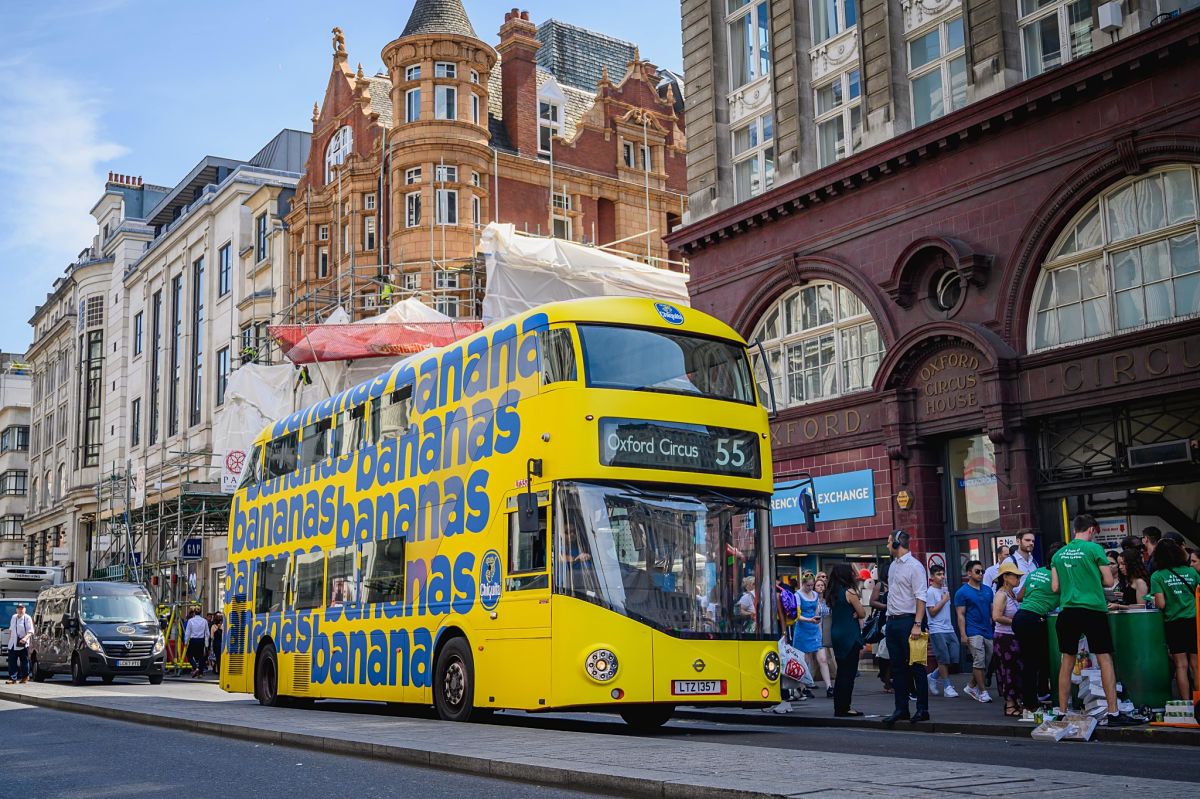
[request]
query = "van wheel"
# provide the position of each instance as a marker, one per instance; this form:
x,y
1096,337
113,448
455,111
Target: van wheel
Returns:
x,y
156,679
78,677
647,717
266,678
454,682
36,672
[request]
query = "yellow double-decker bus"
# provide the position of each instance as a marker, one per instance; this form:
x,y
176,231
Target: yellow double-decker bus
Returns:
x,y
568,509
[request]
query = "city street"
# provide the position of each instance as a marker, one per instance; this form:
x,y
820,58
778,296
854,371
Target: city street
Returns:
x,y
582,751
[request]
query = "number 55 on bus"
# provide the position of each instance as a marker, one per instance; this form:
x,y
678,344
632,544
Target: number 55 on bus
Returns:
x,y
568,509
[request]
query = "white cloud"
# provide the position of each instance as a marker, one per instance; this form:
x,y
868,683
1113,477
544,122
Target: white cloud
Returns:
x,y
51,174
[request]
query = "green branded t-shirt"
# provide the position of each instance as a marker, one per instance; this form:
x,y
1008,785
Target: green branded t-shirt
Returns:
x,y
1078,566
1178,589
1039,596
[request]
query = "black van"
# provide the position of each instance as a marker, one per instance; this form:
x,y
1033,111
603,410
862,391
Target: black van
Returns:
x,y
94,628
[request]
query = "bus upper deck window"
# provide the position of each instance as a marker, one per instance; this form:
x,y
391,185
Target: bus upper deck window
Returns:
x,y
394,416
250,471
314,446
281,455
558,355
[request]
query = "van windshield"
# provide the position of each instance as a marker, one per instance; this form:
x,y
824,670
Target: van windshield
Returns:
x,y
132,608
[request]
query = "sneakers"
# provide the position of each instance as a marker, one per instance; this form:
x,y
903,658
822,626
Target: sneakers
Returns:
x,y
933,686
1027,715
972,692
985,696
1118,720
950,693
782,707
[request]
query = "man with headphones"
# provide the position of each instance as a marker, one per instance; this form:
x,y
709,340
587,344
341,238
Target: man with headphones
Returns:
x,y
907,586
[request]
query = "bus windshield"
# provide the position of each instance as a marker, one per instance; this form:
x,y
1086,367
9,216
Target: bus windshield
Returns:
x,y
103,607
685,563
660,361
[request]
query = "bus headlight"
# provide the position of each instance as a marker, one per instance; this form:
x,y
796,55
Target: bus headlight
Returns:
x,y
92,642
159,645
771,666
601,665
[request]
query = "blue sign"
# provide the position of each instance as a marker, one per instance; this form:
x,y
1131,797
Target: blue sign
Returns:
x,y
670,314
192,549
850,495
489,580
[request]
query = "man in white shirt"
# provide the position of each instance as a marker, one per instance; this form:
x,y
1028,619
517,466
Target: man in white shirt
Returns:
x,y
195,634
991,572
20,635
943,641
1023,557
907,590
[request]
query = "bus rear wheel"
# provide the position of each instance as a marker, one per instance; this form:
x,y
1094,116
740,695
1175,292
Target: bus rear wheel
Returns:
x,y
454,682
647,717
266,678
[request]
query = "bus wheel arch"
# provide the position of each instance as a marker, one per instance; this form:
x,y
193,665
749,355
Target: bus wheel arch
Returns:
x,y
266,674
454,678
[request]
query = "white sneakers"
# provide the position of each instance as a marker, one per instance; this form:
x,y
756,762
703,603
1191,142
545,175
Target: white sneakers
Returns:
x,y
977,695
933,684
935,681
950,692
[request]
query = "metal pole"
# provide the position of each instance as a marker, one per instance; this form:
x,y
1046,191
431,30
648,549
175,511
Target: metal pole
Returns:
x,y
646,170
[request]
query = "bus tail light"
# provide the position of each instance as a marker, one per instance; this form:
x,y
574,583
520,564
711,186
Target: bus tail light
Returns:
x,y
601,665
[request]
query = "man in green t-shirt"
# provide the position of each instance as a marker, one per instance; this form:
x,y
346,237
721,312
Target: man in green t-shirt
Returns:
x,y
1174,589
1079,573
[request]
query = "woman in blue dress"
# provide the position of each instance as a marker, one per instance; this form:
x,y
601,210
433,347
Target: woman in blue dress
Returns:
x,y
807,637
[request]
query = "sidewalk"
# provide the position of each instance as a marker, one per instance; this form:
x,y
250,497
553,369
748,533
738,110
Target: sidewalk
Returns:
x,y
621,765
961,715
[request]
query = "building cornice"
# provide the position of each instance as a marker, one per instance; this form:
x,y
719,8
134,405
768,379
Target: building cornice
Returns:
x,y
1116,65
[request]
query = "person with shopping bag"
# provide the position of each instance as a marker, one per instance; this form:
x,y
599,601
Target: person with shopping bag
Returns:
x,y
907,589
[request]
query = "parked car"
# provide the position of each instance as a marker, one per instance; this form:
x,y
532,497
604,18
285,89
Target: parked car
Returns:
x,y
96,629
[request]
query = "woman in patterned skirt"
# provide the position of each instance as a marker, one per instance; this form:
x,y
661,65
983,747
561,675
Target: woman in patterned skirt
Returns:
x,y
1007,655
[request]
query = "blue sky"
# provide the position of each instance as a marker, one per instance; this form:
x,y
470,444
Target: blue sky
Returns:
x,y
149,87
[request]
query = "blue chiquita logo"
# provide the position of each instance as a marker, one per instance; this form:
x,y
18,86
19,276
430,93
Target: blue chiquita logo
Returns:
x,y
670,314
489,580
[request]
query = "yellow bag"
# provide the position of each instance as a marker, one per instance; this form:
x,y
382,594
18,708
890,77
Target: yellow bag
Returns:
x,y
918,650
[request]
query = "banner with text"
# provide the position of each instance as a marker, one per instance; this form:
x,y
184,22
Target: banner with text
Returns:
x,y
850,495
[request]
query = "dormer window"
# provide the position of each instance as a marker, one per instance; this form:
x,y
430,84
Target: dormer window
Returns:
x,y
340,145
445,69
549,123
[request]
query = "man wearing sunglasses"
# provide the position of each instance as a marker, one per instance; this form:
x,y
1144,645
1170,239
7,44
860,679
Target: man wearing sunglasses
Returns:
x,y
973,607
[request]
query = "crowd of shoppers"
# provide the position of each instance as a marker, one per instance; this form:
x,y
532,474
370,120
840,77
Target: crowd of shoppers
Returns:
x,y
997,624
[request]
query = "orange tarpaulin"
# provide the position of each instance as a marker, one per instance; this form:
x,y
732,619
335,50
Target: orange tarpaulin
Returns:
x,y
303,344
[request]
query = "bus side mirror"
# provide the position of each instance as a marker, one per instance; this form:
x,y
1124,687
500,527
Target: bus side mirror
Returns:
x,y
527,513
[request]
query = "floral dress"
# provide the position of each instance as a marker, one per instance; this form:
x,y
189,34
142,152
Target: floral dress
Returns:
x,y
1008,656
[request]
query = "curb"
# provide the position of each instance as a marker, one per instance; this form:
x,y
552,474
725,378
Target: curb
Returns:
x,y
525,773
1139,735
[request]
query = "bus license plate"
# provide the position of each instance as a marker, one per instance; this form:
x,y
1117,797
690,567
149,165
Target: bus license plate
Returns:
x,y
129,664
698,687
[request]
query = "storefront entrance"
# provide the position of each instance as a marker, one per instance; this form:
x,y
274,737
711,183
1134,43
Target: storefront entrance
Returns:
x,y
972,505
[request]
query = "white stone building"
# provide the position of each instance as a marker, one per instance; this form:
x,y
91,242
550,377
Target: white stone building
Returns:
x,y
14,456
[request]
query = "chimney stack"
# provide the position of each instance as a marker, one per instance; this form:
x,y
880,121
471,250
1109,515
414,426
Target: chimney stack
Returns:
x,y
518,79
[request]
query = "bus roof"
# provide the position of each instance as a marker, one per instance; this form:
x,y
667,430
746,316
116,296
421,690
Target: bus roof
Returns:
x,y
631,311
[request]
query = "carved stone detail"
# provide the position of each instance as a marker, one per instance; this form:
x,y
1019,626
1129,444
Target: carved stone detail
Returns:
x,y
750,100
833,55
919,12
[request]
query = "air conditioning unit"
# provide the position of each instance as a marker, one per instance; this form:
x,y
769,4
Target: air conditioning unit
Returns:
x,y
1144,455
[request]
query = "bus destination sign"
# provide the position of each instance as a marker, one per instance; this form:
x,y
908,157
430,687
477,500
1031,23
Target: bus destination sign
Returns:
x,y
643,444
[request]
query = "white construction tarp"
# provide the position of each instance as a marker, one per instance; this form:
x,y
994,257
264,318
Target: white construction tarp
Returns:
x,y
526,271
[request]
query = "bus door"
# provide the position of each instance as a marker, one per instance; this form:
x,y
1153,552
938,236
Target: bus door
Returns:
x,y
515,672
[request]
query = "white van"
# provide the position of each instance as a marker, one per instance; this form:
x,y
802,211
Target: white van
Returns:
x,y
21,584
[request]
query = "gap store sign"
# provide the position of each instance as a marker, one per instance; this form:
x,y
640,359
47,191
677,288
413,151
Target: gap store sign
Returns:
x,y
850,495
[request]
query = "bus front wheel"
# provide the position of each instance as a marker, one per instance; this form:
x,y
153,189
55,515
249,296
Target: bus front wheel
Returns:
x,y
266,678
454,682
647,717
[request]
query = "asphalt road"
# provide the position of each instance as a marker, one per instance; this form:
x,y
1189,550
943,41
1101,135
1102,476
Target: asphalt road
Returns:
x,y
48,754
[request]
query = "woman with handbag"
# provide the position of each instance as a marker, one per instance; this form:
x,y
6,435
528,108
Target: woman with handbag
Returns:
x,y
847,611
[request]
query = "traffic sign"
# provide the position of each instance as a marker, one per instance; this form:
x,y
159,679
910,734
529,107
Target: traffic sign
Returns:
x,y
935,559
192,549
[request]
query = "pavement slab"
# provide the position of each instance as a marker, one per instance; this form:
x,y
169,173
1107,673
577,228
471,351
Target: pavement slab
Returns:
x,y
624,765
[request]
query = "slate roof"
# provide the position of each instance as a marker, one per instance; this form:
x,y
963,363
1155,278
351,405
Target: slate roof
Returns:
x,y
381,97
578,102
577,56
439,16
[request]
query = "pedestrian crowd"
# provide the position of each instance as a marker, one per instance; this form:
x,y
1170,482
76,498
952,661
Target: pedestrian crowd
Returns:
x,y
997,626
203,637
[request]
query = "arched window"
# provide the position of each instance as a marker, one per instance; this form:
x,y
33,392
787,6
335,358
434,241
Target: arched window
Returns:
x,y
820,341
1129,260
339,147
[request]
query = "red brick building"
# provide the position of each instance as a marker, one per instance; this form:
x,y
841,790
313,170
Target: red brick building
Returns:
x,y
996,313
408,165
